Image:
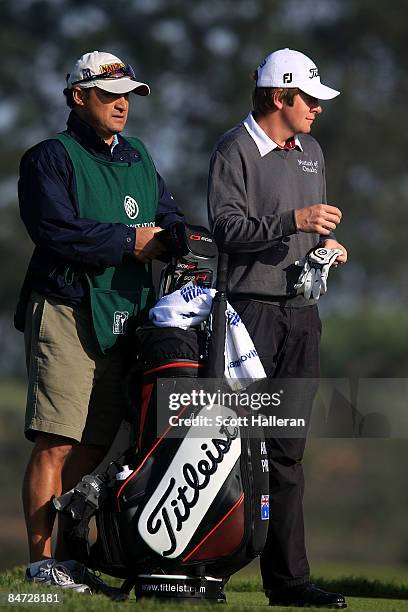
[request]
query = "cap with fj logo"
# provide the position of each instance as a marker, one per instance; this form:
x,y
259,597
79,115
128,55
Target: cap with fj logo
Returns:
x,y
288,68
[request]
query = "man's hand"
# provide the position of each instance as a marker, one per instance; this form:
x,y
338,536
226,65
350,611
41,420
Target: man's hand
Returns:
x,y
312,281
333,244
146,245
319,218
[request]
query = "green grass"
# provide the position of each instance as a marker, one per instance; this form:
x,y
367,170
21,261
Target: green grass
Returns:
x,y
243,593
355,586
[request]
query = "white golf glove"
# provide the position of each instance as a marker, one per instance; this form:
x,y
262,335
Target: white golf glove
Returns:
x,y
312,281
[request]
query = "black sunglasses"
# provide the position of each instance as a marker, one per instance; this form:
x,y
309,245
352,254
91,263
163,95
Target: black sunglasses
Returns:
x,y
117,73
308,99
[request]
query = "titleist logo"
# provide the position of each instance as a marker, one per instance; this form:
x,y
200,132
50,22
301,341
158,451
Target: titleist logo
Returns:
x,y
188,488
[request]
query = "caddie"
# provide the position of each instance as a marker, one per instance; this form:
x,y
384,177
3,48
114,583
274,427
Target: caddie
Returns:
x,y
92,202
268,210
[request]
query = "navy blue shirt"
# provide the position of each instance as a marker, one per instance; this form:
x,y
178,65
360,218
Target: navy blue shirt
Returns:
x,y
50,212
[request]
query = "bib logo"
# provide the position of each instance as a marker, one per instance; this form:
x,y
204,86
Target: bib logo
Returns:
x,y
131,207
119,322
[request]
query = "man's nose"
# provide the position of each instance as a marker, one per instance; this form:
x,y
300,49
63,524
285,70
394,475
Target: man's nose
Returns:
x,y
122,103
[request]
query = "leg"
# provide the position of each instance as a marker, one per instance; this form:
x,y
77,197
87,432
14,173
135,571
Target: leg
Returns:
x,y
287,341
298,360
284,560
83,459
60,373
105,413
42,482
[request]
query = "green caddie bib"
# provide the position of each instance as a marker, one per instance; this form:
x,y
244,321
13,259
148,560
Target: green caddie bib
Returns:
x,y
116,192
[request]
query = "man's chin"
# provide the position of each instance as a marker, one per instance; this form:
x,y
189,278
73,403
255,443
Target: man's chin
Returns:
x,y
306,130
118,127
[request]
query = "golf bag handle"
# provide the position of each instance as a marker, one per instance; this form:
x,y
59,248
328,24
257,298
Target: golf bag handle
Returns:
x,y
222,272
215,353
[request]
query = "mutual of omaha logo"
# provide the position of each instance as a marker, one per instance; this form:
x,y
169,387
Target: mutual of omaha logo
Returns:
x,y
192,481
131,207
308,165
120,318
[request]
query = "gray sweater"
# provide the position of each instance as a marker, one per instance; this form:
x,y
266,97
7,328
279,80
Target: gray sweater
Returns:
x,y
251,204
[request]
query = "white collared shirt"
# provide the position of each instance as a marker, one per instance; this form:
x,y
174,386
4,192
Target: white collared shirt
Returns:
x,y
263,142
115,141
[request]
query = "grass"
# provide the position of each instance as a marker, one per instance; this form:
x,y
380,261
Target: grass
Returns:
x,y
243,593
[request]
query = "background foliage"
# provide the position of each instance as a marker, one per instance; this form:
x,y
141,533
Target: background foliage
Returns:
x,y
198,58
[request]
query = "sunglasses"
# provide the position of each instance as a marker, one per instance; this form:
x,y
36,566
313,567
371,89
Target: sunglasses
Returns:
x,y
308,99
116,73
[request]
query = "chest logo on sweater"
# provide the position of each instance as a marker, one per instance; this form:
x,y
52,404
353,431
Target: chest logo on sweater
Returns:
x,y
131,207
308,165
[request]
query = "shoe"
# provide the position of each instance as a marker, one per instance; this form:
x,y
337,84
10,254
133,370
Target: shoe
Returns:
x,y
81,573
51,573
306,595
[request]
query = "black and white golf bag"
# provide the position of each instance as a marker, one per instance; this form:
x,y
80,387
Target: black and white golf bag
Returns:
x,y
189,505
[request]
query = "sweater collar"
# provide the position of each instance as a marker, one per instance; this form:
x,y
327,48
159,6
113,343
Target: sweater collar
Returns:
x,y
265,144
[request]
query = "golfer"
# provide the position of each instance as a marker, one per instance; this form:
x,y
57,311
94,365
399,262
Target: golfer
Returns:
x,y
267,209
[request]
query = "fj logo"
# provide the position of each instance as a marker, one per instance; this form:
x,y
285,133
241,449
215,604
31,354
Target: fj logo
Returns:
x,y
287,77
119,322
131,207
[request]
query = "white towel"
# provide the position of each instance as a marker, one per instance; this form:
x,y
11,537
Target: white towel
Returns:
x,y
184,308
189,307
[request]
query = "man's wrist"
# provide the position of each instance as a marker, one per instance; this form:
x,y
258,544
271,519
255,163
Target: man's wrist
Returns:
x,y
130,240
288,223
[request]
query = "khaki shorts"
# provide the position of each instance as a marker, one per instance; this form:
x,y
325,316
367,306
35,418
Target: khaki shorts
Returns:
x,y
73,391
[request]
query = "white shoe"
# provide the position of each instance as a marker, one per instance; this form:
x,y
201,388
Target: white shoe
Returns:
x,y
51,573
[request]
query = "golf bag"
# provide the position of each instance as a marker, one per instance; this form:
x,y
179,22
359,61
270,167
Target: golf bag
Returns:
x,y
188,505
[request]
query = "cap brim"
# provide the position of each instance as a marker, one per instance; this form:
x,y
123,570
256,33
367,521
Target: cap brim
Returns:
x,y
319,91
122,86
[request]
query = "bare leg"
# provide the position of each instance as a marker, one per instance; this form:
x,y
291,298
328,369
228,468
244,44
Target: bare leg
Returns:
x,y
42,482
81,460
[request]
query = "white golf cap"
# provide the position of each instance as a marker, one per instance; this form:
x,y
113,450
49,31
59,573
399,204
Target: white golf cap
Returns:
x,y
106,71
288,68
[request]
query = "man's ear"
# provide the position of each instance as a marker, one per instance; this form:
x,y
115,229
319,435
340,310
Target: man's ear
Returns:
x,y
277,99
79,96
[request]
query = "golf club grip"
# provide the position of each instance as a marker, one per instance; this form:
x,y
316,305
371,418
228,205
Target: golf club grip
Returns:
x,y
222,272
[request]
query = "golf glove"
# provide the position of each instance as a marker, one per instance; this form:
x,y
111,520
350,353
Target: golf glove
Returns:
x,y
312,281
